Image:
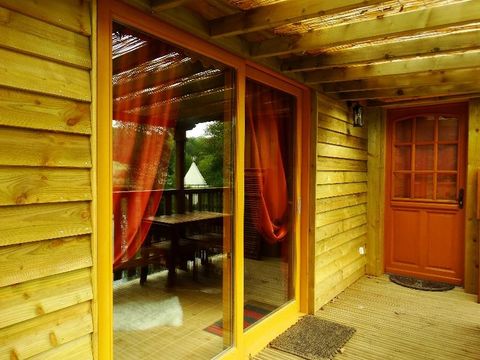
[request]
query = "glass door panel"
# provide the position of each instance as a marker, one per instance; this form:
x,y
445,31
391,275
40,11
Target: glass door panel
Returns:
x,y
172,125
269,192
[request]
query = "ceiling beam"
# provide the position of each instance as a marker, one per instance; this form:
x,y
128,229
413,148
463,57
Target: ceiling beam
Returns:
x,y
288,12
439,77
443,62
414,92
395,103
160,5
390,26
390,51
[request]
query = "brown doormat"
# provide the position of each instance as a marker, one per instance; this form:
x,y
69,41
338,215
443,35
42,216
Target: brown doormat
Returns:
x,y
420,284
313,338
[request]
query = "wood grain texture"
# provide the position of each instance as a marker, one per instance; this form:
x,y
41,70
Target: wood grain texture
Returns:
x,y
471,223
25,72
340,200
376,190
393,322
43,296
36,111
80,348
73,15
42,148
32,337
24,262
43,185
27,223
35,37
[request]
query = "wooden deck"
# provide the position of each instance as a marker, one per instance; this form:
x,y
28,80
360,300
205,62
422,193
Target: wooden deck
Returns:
x,y
393,322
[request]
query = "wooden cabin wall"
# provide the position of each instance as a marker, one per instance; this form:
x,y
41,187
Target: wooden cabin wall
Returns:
x,y
472,237
45,172
341,200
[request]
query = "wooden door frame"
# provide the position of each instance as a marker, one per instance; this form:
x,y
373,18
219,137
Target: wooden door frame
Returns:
x,y
115,10
393,114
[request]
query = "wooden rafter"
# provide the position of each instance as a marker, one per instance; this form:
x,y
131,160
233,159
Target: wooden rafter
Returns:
x,y
414,92
398,25
267,17
390,51
440,77
394,103
160,5
411,66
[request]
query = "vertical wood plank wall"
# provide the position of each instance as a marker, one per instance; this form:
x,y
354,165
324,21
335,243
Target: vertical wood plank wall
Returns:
x,y
471,223
341,200
45,164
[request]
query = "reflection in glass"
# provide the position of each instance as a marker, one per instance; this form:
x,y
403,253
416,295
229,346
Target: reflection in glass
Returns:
x,y
172,200
269,174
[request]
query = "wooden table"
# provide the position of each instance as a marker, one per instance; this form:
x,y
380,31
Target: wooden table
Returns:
x,y
174,225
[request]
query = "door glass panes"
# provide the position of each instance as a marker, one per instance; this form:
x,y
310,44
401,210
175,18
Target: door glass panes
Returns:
x,y
403,131
172,131
423,186
434,154
447,129
424,128
447,155
402,185
269,195
424,157
403,157
446,187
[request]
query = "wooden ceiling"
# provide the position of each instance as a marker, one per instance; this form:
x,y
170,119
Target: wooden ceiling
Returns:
x,y
375,52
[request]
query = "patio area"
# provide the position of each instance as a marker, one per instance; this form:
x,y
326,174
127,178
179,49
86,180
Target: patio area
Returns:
x,y
394,322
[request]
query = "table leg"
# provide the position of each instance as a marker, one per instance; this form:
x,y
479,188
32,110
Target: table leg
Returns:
x,y
172,258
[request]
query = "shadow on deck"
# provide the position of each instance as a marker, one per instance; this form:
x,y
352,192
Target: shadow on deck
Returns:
x,y
394,322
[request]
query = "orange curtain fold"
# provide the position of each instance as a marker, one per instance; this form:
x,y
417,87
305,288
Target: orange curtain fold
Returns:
x,y
265,108
141,153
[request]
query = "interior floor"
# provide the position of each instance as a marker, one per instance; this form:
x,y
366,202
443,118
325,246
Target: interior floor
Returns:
x,y
399,323
155,322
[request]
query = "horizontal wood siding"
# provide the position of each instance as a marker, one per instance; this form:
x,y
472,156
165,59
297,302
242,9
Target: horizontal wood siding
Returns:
x,y
45,174
341,200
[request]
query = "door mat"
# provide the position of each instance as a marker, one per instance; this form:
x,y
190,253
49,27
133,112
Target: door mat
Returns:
x,y
313,338
251,314
420,284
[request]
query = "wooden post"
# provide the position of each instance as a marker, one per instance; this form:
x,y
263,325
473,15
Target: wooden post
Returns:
x,y
180,139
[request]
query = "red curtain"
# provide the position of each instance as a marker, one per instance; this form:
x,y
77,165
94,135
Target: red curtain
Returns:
x,y
265,112
141,151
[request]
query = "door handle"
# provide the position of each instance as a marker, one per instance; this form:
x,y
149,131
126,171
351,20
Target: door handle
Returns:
x,y
461,193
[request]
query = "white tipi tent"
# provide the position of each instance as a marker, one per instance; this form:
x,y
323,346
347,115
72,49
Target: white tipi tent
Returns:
x,y
194,178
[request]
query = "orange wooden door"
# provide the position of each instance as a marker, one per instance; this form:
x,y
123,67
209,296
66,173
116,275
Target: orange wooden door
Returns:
x,y
424,220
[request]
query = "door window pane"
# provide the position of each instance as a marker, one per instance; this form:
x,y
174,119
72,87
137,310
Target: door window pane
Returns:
x,y
423,186
403,157
447,187
403,131
424,157
425,128
401,185
172,127
447,157
269,195
447,129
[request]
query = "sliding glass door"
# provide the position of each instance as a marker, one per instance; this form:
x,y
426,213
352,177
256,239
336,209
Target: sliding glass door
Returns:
x,y
172,199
